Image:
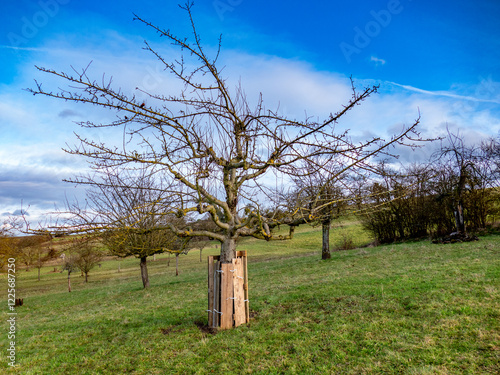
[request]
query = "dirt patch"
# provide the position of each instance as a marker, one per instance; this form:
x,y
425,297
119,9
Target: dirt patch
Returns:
x,y
204,328
456,238
169,330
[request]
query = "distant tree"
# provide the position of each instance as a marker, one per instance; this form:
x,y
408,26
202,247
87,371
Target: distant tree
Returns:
x,y
35,250
87,254
467,173
491,150
451,194
69,266
398,205
26,250
45,253
321,190
129,211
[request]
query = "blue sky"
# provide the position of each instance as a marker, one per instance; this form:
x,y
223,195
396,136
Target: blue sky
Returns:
x,y
441,58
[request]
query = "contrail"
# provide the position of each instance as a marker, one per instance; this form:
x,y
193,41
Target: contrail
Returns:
x,y
445,94
23,48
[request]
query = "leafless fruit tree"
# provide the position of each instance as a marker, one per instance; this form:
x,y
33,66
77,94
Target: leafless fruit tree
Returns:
x,y
129,211
210,143
88,253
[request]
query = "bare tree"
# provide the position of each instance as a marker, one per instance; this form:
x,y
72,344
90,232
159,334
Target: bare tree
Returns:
x,y
321,196
45,253
35,250
399,205
465,170
211,142
129,212
70,267
490,149
87,253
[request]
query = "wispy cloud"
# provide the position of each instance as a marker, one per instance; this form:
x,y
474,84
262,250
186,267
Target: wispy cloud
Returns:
x,y
377,61
31,49
446,94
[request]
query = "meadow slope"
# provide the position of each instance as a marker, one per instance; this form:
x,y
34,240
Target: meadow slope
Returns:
x,y
413,308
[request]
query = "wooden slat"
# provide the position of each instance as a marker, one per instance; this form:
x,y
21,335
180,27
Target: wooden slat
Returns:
x,y
226,320
210,290
217,307
239,292
245,287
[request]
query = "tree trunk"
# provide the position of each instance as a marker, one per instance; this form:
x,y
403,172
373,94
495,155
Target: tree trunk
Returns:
x,y
228,250
459,217
177,264
144,272
86,276
69,281
200,254
325,252
39,273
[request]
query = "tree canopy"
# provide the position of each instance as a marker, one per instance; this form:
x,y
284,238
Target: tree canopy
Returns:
x,y
210,144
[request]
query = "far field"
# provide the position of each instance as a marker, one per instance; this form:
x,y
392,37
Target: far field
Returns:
x,y
412,308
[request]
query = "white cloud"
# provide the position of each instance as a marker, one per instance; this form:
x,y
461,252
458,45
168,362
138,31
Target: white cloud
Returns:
x,y
377,61
35,128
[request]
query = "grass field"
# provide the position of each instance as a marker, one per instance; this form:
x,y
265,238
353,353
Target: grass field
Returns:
x,y
412,308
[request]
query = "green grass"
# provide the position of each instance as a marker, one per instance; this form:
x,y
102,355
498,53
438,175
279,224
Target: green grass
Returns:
x,y
411,308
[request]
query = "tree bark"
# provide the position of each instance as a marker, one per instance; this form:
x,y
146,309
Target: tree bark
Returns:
x,y
228,250
177,264
69,281
144,273
325,252
459,218
86,276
